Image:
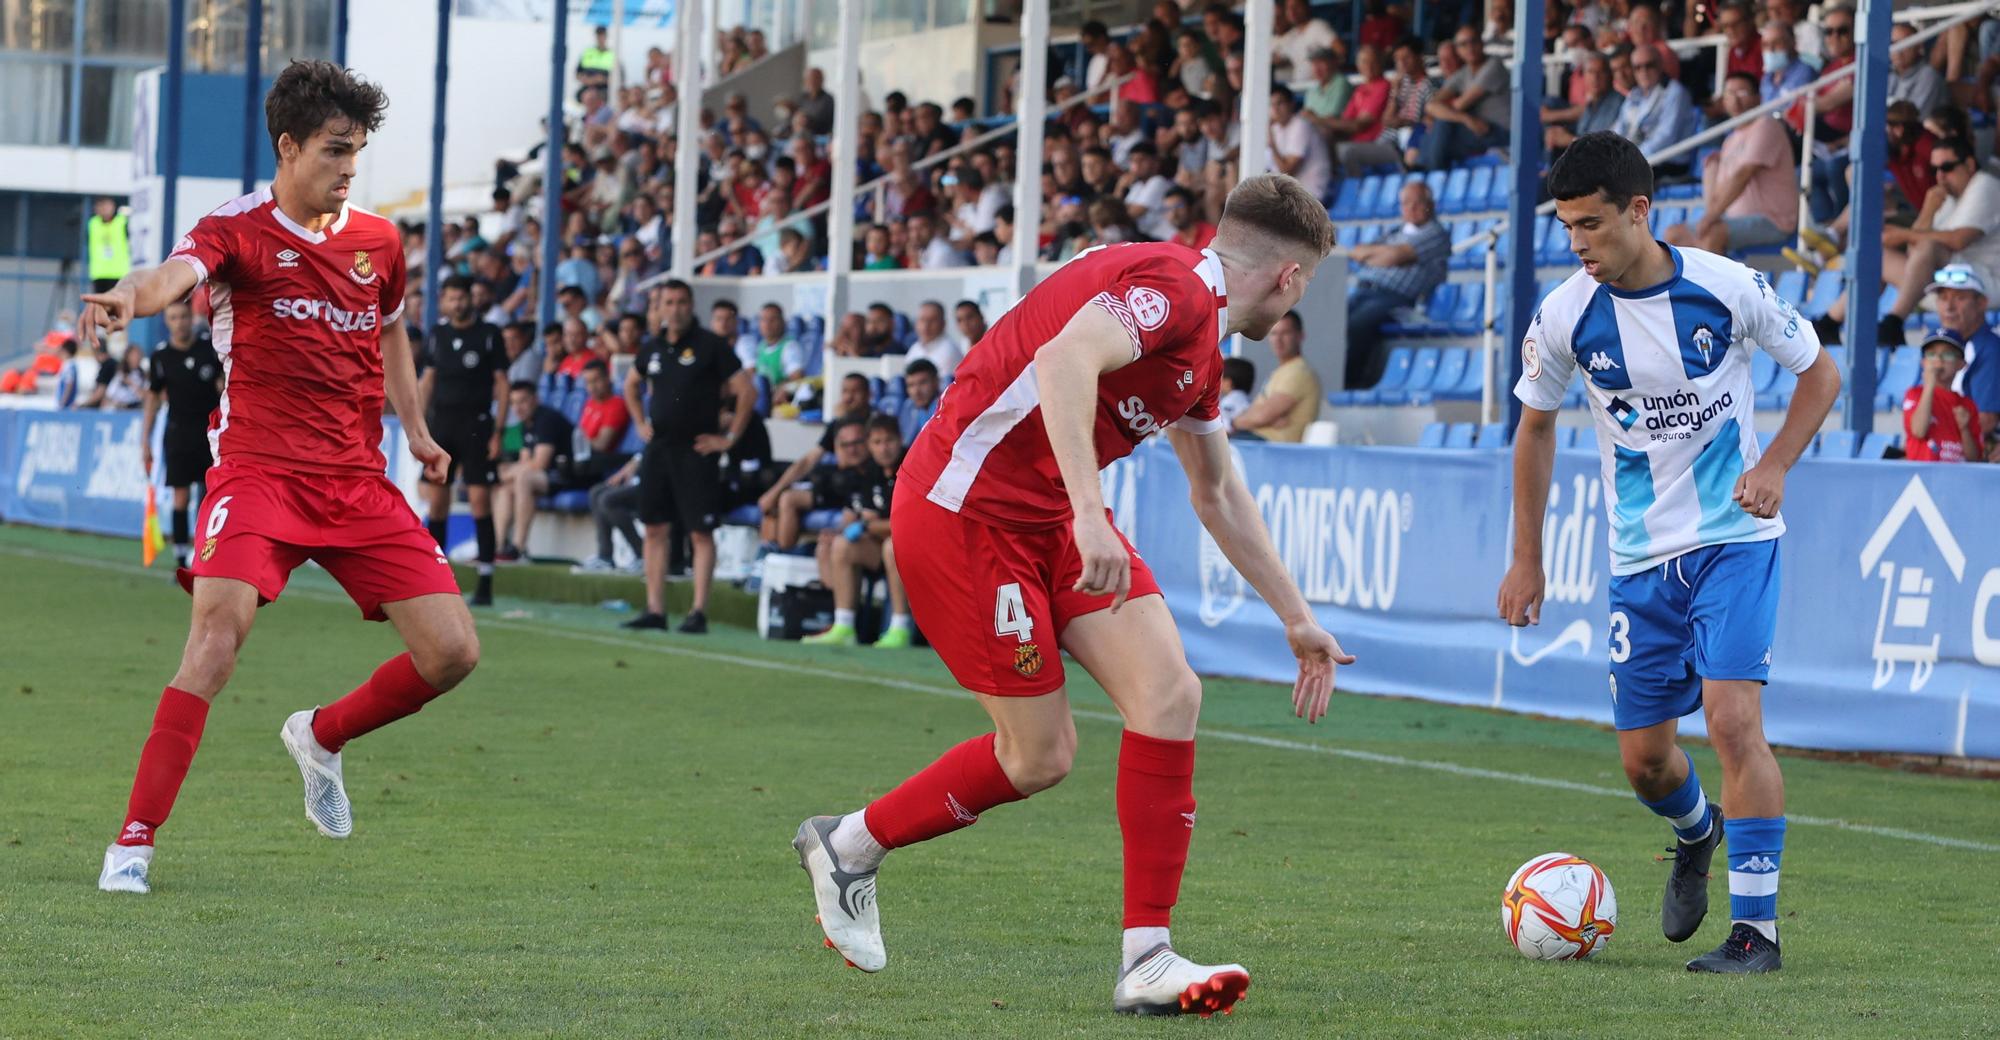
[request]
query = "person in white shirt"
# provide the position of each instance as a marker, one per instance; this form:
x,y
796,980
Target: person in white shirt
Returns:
x,y
978,205
932,251
1293,49
1096,40
932,344
1297,149
1959,223
1145,193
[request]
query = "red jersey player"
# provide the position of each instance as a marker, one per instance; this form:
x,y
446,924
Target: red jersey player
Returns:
x,y
308,297
1009,557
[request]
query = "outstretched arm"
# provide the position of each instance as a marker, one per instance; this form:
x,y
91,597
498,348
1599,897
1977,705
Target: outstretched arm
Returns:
x,y
1225,507
140,294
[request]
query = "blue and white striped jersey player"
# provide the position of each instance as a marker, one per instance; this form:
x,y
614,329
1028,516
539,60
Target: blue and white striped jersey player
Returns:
x,y
1663,339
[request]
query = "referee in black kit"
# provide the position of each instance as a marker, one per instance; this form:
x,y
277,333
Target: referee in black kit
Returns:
x,y
465,374
686,367
186,372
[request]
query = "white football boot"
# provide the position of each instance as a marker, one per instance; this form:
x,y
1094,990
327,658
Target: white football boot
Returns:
x,y
846,899
1163,982
125,869
326,795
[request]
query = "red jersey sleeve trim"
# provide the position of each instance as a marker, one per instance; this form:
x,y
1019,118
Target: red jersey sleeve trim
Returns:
x,y
200,269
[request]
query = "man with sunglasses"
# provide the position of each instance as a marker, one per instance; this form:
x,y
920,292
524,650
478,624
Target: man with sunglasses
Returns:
x,y
1834,104
1658,112
1958,224
1959,292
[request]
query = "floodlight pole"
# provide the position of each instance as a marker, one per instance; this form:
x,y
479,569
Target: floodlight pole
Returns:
x,y
434,234
688,155
846,160
1031,113
1524,150
552,167
253,95
1869,142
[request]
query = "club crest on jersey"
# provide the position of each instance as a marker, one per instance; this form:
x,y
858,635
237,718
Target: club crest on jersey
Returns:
x,y
469,358
687,356
1704,341
363,270
1149,307
1028,660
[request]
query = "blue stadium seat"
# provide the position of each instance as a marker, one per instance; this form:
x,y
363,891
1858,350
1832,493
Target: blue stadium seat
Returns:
x,y
1898,376
745,325
1837,444
816,326
1453,199
1687,190
795,326
1826,289
1437,181
1348,235
1372,233
1764,440
1471,382
1493,436
1763,371
1416,384
899,327
572,405
1478,186
1502,191
744,516
632,444
574,501
1433,435
1780,393
1470,312
1371,190
1347,201
1459,436
1450,370
1791,285
1461,232
1389,203
1873,445
1395,373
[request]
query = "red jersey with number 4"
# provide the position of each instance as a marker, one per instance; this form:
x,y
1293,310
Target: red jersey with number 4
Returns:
x,y
298,319
986,454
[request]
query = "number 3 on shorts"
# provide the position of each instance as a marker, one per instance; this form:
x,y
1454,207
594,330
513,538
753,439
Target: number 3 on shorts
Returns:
x,y
218,514
1010,615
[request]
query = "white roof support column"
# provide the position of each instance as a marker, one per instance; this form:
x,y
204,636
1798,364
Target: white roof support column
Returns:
x,y
845,145
1256,101
1031,107
687,135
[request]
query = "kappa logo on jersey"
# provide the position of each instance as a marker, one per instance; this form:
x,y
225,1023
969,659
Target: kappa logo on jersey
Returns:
x,y
1622,411
1149,307
363,270
302,308
1133,411
1601,362
288,258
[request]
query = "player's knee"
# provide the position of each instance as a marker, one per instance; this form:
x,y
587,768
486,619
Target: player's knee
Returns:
x,y
446,663
1041,763
1648,770
1734,729
1171,708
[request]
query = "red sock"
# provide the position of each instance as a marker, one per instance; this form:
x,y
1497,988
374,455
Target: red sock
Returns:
x,y
163,764
1156,815
394,691
948,795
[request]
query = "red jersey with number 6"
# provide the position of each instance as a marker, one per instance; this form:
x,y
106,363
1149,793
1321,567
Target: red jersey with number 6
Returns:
x,y
297,320
986,455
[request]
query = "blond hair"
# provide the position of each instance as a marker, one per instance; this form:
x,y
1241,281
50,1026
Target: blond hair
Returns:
x,y
1274,206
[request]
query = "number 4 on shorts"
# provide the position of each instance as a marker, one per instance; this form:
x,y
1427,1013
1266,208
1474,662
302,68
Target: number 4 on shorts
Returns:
x,y
1010,614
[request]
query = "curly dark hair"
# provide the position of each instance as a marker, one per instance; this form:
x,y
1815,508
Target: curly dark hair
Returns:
x,y
310,94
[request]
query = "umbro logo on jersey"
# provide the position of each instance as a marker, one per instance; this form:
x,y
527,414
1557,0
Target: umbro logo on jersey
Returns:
x,y
288,258
1757,865
1601,362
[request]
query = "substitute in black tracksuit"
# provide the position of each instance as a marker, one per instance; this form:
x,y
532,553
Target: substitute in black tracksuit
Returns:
x,y
465,376
186,374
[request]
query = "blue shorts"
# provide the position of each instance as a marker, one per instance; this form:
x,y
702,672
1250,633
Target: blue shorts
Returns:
x,y
1706,614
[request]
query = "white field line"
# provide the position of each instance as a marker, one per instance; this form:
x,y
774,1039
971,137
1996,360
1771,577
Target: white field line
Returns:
x,y
1207,732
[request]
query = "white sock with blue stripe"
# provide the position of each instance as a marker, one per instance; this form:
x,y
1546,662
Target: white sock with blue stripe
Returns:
x,y
1687,809
1756,846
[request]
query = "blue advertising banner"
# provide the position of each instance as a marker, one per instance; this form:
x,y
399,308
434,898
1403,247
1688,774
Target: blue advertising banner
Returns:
x,y
1889,631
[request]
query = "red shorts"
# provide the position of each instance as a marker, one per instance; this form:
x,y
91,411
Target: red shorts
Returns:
x,y
258,526
992,601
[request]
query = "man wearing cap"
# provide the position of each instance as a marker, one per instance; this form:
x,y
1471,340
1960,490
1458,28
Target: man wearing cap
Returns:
x,y
1940,425
1960,295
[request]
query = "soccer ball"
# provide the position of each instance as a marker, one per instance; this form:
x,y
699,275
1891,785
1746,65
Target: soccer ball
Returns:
x,y
1558,907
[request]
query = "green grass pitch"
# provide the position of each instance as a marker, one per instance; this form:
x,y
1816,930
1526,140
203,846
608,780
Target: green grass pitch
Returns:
x,y
590,839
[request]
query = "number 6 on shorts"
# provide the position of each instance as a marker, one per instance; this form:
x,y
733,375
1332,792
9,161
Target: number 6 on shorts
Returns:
x,y
218,514
1010,614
